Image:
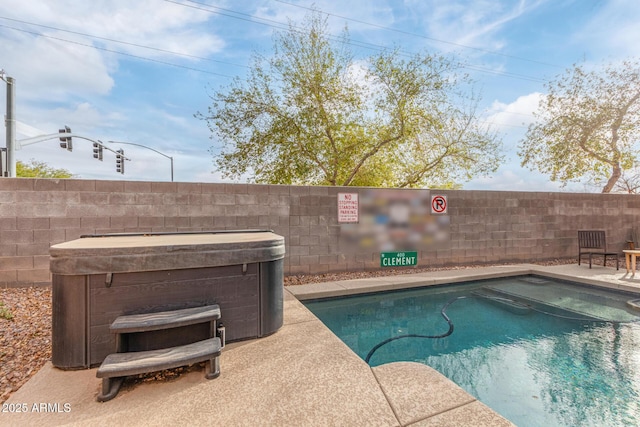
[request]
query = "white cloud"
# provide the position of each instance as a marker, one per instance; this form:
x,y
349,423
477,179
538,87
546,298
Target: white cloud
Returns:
x,y
473,23
511,121
357,72
147,22
80,117
518,113
24,130
46,70
59,64
365,15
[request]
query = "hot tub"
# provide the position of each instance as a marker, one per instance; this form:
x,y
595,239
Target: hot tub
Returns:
x,y
100,277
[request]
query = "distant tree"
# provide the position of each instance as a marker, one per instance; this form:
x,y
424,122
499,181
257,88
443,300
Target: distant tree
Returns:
x,y
628,183
588,126
37,169
312,114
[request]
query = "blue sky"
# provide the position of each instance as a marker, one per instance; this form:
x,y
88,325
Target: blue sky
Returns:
x,y
139,71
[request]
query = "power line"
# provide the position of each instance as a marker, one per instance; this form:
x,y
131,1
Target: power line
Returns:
x,y
502,73
122,42
207,8
268,22
278,25
422,36
116,52
245,17
503,124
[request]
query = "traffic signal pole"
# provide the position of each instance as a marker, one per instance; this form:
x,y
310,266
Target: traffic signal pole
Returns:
x,y
148,148
60,135
12,144
10,123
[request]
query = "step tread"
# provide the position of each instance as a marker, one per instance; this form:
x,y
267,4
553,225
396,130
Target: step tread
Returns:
x,y
165,319
133,363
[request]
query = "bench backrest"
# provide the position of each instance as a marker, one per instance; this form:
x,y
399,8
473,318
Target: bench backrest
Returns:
x,y
592,239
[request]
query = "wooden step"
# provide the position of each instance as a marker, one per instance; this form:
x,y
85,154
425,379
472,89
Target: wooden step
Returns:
x,y
165,319
116,366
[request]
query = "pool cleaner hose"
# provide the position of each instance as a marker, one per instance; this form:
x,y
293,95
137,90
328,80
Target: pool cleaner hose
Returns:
x,y
443,312
450,331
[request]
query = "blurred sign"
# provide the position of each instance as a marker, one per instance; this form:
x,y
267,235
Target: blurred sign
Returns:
x,y
398,259
347,207
394,220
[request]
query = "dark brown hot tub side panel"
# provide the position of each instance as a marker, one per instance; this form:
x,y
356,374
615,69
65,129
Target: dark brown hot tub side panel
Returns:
x,y
86,302
271,297
69,321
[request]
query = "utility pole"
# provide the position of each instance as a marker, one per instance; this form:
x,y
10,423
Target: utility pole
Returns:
x,y
10,123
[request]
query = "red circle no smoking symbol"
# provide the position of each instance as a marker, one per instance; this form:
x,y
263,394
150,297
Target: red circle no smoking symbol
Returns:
x,y
439,204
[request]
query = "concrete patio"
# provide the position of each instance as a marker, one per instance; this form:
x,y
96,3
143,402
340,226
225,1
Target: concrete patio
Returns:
x,y
301,375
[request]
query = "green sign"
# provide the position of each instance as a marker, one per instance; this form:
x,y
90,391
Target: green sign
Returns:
x,y
398,259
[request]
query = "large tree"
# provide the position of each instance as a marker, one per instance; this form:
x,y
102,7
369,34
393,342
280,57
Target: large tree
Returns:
x,y
312,113
588,126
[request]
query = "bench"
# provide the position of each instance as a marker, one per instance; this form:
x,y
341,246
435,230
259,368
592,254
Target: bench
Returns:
x,y
594,243
117,366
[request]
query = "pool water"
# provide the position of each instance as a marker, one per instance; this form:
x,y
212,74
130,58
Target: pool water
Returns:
x,y
537,351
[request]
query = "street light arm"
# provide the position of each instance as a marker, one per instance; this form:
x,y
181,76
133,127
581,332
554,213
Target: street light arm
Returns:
x,y
148,148
140,145
5,78
41,138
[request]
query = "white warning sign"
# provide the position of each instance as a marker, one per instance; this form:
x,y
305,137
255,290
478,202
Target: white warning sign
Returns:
x,y
347,207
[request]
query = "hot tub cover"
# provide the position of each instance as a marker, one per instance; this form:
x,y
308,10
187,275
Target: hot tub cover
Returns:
x,y
120,253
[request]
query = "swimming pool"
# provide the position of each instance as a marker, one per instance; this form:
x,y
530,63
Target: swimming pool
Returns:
x,y
537,351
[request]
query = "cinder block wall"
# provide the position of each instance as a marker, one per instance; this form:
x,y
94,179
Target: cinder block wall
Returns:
x,y
481,226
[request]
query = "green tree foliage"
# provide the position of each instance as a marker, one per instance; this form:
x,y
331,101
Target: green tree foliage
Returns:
x,y
313,114
37,169
587,126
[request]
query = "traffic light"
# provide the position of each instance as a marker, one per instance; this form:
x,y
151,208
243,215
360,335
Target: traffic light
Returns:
x,y
97,151
120,161
65,142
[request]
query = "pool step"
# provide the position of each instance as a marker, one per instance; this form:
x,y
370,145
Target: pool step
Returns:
x,y
509,304
121,364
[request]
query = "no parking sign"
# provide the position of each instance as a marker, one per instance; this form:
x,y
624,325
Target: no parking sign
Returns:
x,y
439,204
348,207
